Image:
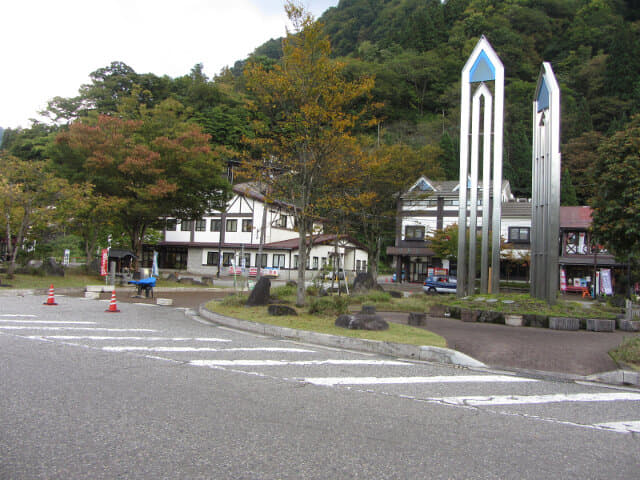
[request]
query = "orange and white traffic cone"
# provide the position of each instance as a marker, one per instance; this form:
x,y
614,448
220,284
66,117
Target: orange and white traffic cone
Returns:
x,y
50,300
113,308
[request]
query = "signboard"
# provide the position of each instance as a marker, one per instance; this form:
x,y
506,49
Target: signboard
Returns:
x,y
65,260
104,262
235,270
266,272
563,280
605,278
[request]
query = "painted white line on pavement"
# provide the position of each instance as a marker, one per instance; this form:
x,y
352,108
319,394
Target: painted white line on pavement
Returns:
x,y
146,339
202,349
278,363
621,427
17,315
48,322
537,399
330,381
16,327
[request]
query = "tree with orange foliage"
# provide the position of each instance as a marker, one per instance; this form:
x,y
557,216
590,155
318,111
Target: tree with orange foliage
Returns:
x,y
305,111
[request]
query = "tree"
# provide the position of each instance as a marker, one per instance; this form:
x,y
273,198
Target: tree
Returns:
x,y
616,206
159,165
305,111
29,194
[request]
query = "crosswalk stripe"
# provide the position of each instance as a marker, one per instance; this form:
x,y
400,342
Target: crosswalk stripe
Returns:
x,y
201,349
621,427
100,329
149,339
47,322
279,363
330,381
538,399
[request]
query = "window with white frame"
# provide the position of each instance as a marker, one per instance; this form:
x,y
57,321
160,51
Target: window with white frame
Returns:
x,y
315,263
186,225
170,225
262,261
295,261
247,225
227,258
216,223
282,221
232,225
201,225
278,260
519,234
213,258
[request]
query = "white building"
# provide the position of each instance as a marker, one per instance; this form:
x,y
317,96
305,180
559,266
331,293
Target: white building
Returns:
x,y
431,205
225,240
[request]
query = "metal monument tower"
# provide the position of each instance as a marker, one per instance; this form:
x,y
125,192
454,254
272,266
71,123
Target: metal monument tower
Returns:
x,y
545,198
482,66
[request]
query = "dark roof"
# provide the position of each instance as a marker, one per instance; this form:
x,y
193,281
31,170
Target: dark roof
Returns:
x,y
575,217
120,253
250,190
516,209
291,244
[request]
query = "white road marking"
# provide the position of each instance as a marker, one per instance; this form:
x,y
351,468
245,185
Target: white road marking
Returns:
x,y
22,327
330,381
17,315
48,322
278,363
538,399
621,427
201,349
149,339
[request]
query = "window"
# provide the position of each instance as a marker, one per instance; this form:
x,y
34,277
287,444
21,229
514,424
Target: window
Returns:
x,y
247,225
215,224
519,234
247,260
413,233
282,222
201,225
358,265
213,258
278,260
227,258
295,261
170,225
364,265
186,225
315,263
261,261
323,262
232,225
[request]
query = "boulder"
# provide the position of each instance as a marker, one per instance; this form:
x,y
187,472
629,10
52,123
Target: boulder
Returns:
x,y
362,321
172,277
467,315
395,294
260,293
279,310
488,316
534,320
364,282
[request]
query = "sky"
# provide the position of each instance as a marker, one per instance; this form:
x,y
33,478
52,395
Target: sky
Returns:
x,y
49,47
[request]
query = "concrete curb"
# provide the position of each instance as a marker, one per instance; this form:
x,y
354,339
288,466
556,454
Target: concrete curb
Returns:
x,y
414,352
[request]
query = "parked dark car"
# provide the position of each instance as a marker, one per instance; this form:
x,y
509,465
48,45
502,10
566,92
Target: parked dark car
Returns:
x,y
440,284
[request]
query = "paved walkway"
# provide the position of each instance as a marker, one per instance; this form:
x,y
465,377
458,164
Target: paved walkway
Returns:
x,y
578,353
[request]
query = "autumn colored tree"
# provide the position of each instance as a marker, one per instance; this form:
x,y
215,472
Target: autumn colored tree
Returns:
x,y
305,111
157,165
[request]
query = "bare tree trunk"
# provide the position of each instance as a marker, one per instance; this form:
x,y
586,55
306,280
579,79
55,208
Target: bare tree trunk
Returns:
x,y
263,229
302,262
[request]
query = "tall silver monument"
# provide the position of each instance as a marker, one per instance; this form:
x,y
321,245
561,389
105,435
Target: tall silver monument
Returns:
x,y
545,197
483,66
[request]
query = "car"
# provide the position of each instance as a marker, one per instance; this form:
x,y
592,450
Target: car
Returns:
x,y
440,284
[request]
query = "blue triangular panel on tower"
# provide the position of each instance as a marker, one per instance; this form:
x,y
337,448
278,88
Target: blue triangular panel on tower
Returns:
x,y
543,96
482,70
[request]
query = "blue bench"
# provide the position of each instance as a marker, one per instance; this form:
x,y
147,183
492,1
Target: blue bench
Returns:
x,y
145,284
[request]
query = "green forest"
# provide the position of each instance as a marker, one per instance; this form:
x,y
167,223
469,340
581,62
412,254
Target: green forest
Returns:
x,y
414,51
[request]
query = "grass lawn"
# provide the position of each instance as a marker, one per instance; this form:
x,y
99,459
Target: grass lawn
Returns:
x,y
628,353
325,324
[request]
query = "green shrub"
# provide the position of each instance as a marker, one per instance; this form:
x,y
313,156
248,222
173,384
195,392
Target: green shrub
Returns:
x,y
335,305
283,292
376,296
313,291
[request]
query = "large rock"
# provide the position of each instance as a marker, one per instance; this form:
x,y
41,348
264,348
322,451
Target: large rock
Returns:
x,y
260,293
364,282
362,321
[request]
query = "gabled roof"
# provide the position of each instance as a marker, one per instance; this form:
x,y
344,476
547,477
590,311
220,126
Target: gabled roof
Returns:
x,y
575,217
324,239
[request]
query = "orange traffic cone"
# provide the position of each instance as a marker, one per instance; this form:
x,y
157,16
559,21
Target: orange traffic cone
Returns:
x,y
112,305
50,300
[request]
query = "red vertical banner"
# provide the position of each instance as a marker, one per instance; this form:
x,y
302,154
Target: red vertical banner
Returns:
x,y
104,263
563,280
